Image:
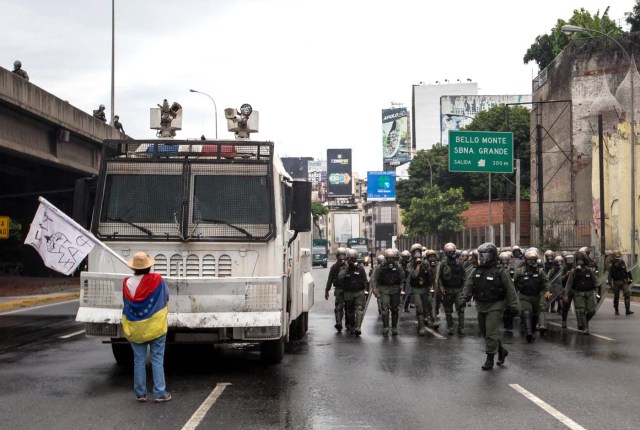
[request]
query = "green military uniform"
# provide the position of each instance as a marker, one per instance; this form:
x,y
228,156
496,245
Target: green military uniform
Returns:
x,y
420,281
387,282
532,284
618,279
353,280
581,285
451,276
493,291
555,279
337,292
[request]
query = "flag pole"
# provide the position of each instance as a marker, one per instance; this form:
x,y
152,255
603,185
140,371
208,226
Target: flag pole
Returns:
x,y
90,236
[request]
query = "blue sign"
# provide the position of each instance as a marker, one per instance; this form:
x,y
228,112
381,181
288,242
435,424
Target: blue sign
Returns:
x,y
381,186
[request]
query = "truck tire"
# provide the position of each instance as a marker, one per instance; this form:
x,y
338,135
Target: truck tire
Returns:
x,y
272,351
123,354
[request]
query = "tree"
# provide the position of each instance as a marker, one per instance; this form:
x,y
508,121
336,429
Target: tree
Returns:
x,y
633,17
318,210
548,46
435,212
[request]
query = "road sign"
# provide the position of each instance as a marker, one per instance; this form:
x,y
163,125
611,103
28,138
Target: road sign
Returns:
x,y
480,151
4,227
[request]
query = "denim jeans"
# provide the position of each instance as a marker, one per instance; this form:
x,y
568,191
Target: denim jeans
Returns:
x,y
157,366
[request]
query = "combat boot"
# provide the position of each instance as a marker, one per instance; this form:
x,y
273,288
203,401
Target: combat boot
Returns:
x,y
449,324
421,330
488,365
502,355
338,327
461,323
627,306
615,304
526,319
394,324
385,324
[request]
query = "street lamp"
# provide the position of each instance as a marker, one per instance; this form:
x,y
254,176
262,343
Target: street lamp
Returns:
x,y
568,29
215,109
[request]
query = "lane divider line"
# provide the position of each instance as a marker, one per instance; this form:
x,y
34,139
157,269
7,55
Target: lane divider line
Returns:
x,y
610,339
548,408
30,308
200,413
67,336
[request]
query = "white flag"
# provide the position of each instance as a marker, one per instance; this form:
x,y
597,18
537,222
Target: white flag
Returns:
x,y
59,240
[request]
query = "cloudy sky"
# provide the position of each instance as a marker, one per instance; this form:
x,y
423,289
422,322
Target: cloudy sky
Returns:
x,y
318,71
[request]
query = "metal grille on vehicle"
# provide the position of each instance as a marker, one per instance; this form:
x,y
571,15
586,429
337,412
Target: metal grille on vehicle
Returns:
x,y
101,329
224,266
98,292
193,265
209,265
261,297
261,333
161,265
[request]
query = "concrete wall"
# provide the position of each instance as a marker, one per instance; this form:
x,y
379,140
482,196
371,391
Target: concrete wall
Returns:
x,y
594,77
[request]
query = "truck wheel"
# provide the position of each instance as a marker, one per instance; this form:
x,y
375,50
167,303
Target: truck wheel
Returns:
x,y
123,354
272,351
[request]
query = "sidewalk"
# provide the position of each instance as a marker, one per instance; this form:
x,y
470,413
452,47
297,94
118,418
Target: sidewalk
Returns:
x,y
22,291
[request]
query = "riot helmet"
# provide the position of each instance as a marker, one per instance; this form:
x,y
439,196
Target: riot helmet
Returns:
x,y
558,261
449,250
416,250
380,259
581,260
17,64
389,256
102,107
617,254
549,255
405,255
432,257
569,260
341,253
517,251
586,250
352,255
531,257
487,254
505,259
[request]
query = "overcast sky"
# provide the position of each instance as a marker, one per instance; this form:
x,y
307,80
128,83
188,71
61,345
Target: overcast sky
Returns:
x,y
319,72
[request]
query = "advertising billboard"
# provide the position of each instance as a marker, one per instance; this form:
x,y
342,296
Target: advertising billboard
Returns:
x,y
345,226
395,133
317,170
457,111
381,186
339,173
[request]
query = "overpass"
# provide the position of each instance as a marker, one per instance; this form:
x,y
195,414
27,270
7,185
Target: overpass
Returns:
x,y
46,144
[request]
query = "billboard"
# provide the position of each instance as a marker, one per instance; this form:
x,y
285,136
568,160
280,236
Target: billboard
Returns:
x,y
345,226
317,170
395,137
381,186
457,112
339,173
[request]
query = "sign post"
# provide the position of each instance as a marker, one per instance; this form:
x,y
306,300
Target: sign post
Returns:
x,y
480,151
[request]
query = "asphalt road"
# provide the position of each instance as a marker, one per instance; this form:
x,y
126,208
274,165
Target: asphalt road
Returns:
x,y
52,377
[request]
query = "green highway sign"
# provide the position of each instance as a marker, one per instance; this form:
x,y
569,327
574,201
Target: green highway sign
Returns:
x,y
480,151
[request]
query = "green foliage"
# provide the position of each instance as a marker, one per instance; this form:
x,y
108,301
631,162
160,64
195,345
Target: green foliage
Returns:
x,y
548,46
318,210
633,17
435,212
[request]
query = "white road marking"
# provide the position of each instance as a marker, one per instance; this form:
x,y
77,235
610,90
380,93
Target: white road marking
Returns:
x,y
592,334
67,336
548,408
435,333
30,308
198,415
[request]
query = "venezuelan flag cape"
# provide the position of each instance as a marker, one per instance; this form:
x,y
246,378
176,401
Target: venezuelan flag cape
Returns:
x,y
144,316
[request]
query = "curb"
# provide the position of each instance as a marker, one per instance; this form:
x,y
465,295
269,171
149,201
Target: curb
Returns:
x,y
23,303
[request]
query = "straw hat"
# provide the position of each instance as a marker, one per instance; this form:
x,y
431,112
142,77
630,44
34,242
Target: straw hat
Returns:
x,y
141,261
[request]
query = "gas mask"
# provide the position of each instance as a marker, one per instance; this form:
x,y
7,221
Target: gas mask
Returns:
x,y
579,265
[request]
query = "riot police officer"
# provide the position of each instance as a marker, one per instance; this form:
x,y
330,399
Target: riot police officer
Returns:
x,y
569,261
405,259
533,288
619,279
493,290
451,276
419,280
353,280
415,252
387,282
582,283
555,279
341,256
434,300
549,255
18,70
